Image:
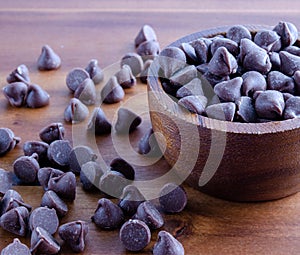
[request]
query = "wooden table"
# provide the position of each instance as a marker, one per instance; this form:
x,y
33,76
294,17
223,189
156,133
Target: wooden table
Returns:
x,y
81,30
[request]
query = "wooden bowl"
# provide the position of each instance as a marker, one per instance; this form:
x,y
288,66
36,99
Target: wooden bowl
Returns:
x,y
229,160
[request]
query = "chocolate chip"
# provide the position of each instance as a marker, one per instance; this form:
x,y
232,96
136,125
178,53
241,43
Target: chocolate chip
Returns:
x,y
289,63
201,47
172,198
75,77
107,215
229,91
48,60
58,153
275,60
134,61
214,79
268,40
229,44
135,235
8,140
194,87
269,104
246,110
43,243
64,186
146,33
26,168
46,173
221,111
253,81
130,200
288,33
112,91
45,218
148,213
38,147
122,166
195,104
76,111
296,78
145,72
6,182
21,73
52,200
15,221
125,77
86,92
295,50
52,132
184,76
37,97
148,49
292,106
148,145
237,33
16,247
279,81
127,121
167,244
98,123
74,234
95,71
80,155
90,175
16,93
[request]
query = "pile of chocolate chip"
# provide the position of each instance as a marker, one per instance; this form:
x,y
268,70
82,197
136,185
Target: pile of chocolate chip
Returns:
x,y
239,75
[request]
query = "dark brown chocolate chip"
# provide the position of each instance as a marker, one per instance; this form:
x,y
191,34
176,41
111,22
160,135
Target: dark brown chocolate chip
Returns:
x,y
86,92
292,106
90,175
229,44
190,53
172,198
16,247
148,49
64,186
21,73
125,77
214,79
201,47
98,123
134,61
107,215
127,121
74,234
237,33
76,111
269,104
48,60
229,91
148,145
37,97
16,93
287,31
52,200
8,140
194,87
253,81
295,50
46,173
75,77
38,147
146,33
275,60
184,76
145,72
135,235
52,132
26,168
268,40
43,243
166,245
122,166
45,218
15,221
95,71
80,155
289,63
130,200
246,110
148,213
195,104
6,182
58,153
112,91
279,81
221,111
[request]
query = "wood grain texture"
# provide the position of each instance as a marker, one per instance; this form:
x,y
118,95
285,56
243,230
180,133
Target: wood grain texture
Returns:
x,y
81,30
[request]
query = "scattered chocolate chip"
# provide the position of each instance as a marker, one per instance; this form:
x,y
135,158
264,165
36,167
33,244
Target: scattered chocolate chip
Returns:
x,y
145,72
90,175
130,199
135,235
172,198
112,91
43,243
80,155
75,77
21,73
15,220
47,173
292,106
279,81
98,123
45,218
194,87
38,147
148,49
246,110
74,234
76,111
221,111
16,93
288,33
253,81
148,213
146,33
48,60
167,244
6,182
195,104
16,247
36,97
229,91
51,200
134,61
95,71
148,145
125,77
268,40
289,63
52,132
122,166
108,215
26,168
127,121
58,153
8,140
64,186
237,33
86,92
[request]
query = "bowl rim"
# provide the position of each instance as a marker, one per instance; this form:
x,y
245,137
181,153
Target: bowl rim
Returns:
x,y
219,125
